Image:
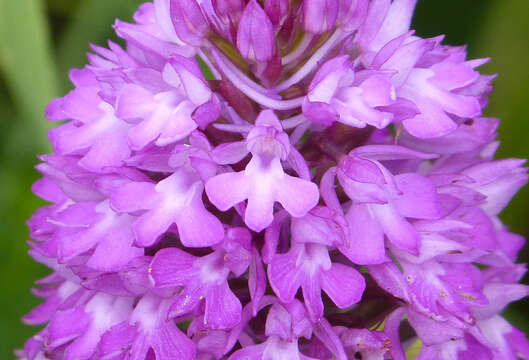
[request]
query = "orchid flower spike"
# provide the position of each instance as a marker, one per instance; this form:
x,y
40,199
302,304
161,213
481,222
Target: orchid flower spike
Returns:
x,y
274,180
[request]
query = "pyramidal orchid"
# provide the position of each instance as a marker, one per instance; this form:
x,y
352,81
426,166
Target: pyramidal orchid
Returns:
x,y
274,180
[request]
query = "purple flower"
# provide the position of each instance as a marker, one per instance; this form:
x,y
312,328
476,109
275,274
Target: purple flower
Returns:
x,y
205,278
319,16
146,328
174,200
255,34
329,183
263,181
336,93
309,267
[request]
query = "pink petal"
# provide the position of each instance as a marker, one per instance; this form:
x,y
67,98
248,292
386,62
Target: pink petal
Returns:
x,y
114,251
178,125
223,308
255,34
134,102
227,190
297,196
431,122
197,227
311,288
343,284
419,197
399,231
133,196
260,210
365,242
171,267
150,226
229,153
285,277
109,151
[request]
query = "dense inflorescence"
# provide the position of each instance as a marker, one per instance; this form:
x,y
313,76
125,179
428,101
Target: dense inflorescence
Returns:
x,y
275,179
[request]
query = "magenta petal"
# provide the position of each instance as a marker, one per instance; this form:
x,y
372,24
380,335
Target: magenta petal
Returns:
x,y
227,190
278,321
107,152
81,104
150,226
451,76
229,153
156,332
188,20
431,331
328,191
397,20
43,312
320,112
114,251
391,329
196,226
419,199
510,243
390,152
253,352
399,231
178,125
134,102
54,110
365,242
71,246
431,123
297,196
276,10
285,277
362,170
139,136
170,343
133,196
390,278
185,72
499,295
228,10
199,228
117,340
185,302
67,325
319,16
311,288
78,215
327,335
171,267
257,281
255,34
223,308
343,284
259,212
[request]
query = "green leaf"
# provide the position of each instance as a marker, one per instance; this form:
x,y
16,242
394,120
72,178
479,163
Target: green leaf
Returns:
x,y
27,66
92,23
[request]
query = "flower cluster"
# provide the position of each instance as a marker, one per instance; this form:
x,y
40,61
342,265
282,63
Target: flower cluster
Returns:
x,y
275,180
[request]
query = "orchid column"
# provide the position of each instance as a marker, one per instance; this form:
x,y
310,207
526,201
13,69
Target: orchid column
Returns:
x,y
275,180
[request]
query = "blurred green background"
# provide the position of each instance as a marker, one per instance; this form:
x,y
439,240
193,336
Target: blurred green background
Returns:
x,y
41,39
